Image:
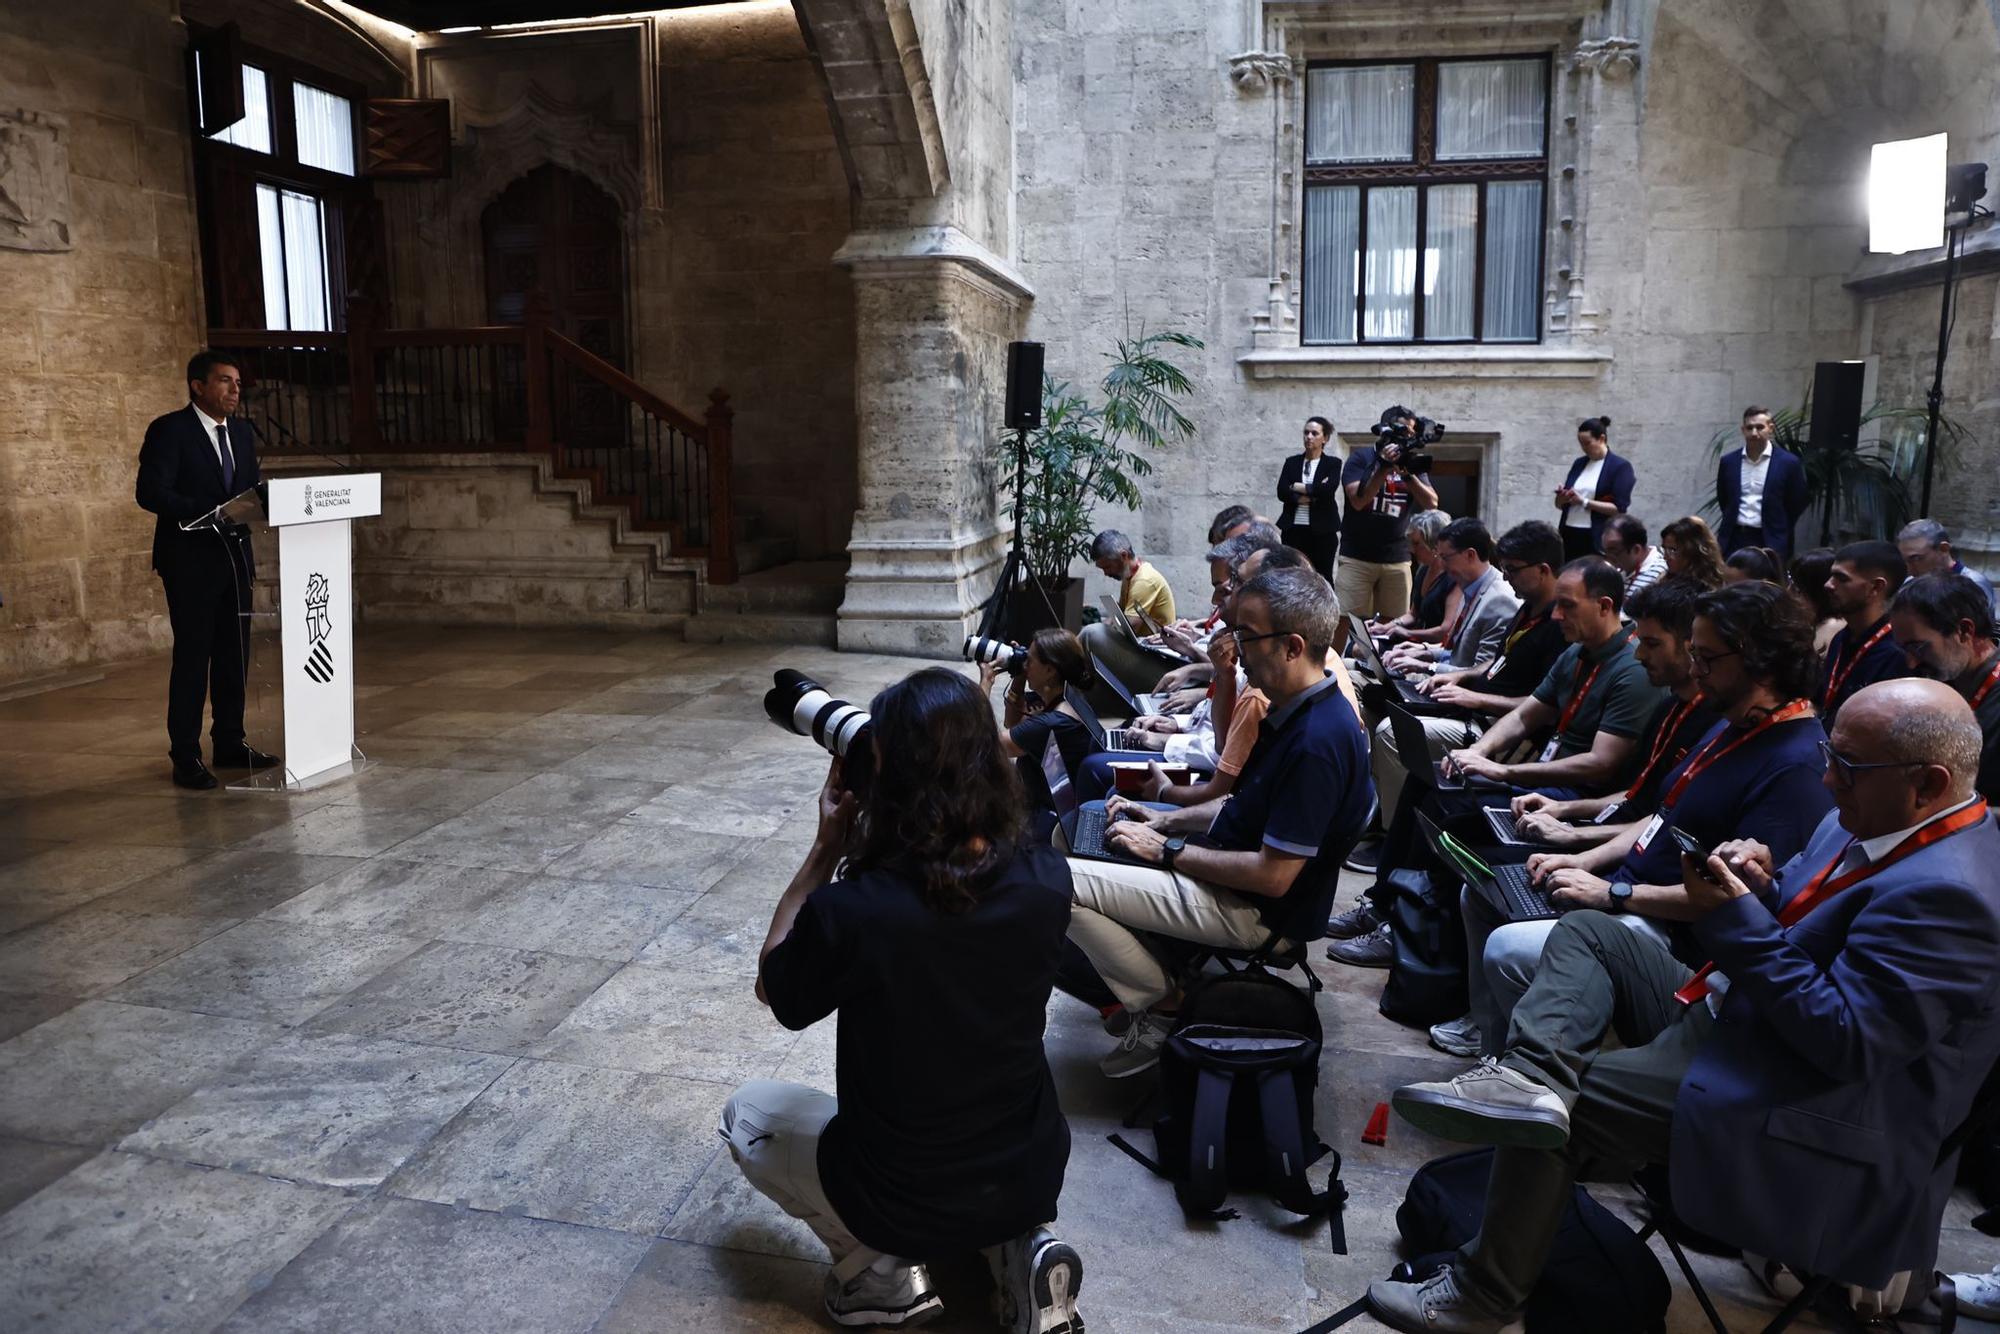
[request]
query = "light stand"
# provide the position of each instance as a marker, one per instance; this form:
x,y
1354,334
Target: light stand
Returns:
x,y
1965,186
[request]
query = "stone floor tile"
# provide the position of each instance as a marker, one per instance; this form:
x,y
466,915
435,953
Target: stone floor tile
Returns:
x,y
423,1268
725,1212
500,841
569,797
509,753
593,918
603,1148
97,1071
474,997
630,704
332,1109
452,791
38,886
662,1021
26,1167
720,808
229,884
345,831
664,856
22,1010
718,934
422,900
681,1286
453,725
280,972
128,1243
85,951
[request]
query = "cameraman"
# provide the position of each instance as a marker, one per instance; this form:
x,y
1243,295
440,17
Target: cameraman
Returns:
x,y
1373,579
925,919
1039,714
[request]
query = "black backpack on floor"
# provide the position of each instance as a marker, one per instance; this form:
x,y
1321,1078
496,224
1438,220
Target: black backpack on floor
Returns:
x,y
1237,1077
1599,1276
1427,979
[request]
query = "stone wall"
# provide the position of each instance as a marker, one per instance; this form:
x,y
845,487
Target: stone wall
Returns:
x,y
1719,154
93,337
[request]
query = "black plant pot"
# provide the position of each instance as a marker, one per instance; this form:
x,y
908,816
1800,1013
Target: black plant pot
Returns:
x,y
1028,608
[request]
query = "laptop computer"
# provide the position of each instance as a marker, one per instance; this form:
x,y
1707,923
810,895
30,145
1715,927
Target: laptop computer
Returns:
x,y
1108,738
1085,827
1115,615
1371,658
1138,704
1506,829
1507,888
1413,747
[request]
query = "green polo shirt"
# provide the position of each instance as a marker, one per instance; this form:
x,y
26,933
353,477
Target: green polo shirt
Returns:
x,y
1620,699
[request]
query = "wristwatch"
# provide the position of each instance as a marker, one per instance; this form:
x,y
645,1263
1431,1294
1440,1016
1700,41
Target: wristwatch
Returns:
x,y
1621,896
1170,850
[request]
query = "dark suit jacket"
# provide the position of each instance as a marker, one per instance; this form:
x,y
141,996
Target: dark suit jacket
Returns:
x,y
1614,483
1848,1046
1325,493
1784,499
180,478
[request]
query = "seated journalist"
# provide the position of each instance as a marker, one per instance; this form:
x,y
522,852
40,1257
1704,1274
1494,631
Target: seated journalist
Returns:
x,y
926,920
1804,1080
1222,873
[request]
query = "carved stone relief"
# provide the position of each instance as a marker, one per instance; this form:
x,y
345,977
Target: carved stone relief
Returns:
x,y
34,180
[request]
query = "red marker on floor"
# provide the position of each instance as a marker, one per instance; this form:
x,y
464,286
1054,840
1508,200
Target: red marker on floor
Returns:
x,y
1377,1131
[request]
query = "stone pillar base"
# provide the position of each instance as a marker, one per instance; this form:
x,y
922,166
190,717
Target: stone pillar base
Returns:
x,y
917,598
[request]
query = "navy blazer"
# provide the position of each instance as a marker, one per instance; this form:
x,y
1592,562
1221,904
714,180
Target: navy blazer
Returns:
x,y
180,478
1614,483
1784,499
1325,493
1846,1049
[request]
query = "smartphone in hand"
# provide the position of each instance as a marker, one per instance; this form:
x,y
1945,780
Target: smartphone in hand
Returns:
x,y
1693,847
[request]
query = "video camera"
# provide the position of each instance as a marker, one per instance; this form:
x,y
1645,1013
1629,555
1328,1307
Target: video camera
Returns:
x,y
1399,436
802,706
1012,660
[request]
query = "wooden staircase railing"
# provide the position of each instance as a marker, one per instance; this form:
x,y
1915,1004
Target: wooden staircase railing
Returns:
x,y
497,388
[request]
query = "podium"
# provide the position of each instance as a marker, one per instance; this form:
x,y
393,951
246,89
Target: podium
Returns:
x,y
314,517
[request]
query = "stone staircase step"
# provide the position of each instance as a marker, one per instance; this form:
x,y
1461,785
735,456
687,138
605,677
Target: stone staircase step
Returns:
x,y
799,586
755,554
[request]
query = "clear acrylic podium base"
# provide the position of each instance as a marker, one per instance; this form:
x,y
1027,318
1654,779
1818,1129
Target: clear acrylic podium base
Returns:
x,y
280,779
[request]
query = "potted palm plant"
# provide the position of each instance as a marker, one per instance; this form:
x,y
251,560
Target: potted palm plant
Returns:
x,y
1865,491
1084,453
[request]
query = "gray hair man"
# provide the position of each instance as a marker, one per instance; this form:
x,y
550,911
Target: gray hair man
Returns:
x,y
1926,548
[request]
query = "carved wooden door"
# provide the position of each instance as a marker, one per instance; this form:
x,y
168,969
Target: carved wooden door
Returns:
x,y
554,232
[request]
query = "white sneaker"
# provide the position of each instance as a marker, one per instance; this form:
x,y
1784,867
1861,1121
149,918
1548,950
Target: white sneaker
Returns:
x,y
1459,1037
1139,1050
1035,1282
1979,1294
1488,1104
1437,1305
903,1296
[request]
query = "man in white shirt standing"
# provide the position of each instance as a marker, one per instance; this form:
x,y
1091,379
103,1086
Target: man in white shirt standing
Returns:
x,y
1760,490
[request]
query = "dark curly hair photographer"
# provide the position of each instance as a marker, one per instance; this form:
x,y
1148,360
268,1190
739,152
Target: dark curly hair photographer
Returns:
x,y
922,917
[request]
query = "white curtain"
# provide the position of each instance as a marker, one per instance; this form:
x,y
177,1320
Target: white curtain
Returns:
x,y
291,241
1491,108
1389,267
1332,240
254,130
1361,113
325,126
1451,259
1513,261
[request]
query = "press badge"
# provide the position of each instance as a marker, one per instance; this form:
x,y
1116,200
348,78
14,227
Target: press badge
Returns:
x,y
1549,751
1606,815
1646,834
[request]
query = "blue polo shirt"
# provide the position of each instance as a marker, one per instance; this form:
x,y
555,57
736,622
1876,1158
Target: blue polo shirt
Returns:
x,y
1304,790
1767,789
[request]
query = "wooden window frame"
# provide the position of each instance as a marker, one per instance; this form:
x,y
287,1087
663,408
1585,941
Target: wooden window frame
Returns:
x,y
1422,170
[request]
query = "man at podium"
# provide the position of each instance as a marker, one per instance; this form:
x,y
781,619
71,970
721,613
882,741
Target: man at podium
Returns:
x,y
192,462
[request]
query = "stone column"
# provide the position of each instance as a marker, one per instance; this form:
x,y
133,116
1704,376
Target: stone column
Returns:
x,y
933,314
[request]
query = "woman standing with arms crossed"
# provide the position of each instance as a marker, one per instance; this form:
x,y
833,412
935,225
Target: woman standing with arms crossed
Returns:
x,y
1598,486
1309,486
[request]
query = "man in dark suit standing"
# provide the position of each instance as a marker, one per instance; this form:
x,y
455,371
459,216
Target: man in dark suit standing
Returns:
x,y
1760,491
192,461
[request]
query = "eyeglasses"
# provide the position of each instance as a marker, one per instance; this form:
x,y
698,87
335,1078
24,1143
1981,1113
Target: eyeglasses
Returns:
x,y
1242,639
1510,568
1704,663
1844,769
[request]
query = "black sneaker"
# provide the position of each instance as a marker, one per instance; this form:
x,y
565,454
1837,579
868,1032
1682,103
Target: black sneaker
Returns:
x,y
1359,920
1366,857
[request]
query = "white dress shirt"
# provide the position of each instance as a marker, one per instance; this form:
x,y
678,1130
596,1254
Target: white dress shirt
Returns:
x,y
209,426
1750,510
1585,485
1306,473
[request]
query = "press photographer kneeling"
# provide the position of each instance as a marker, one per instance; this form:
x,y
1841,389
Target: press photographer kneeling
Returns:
x,y
922,916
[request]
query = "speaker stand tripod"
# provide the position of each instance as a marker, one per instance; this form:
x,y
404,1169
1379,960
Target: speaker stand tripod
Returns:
x,y
1016,565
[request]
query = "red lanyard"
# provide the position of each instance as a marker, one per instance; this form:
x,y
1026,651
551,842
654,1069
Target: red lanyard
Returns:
x,y
1514,635
1821,888
1458,626
1584,684
1837,674
1798,708
1986,686
1668,731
